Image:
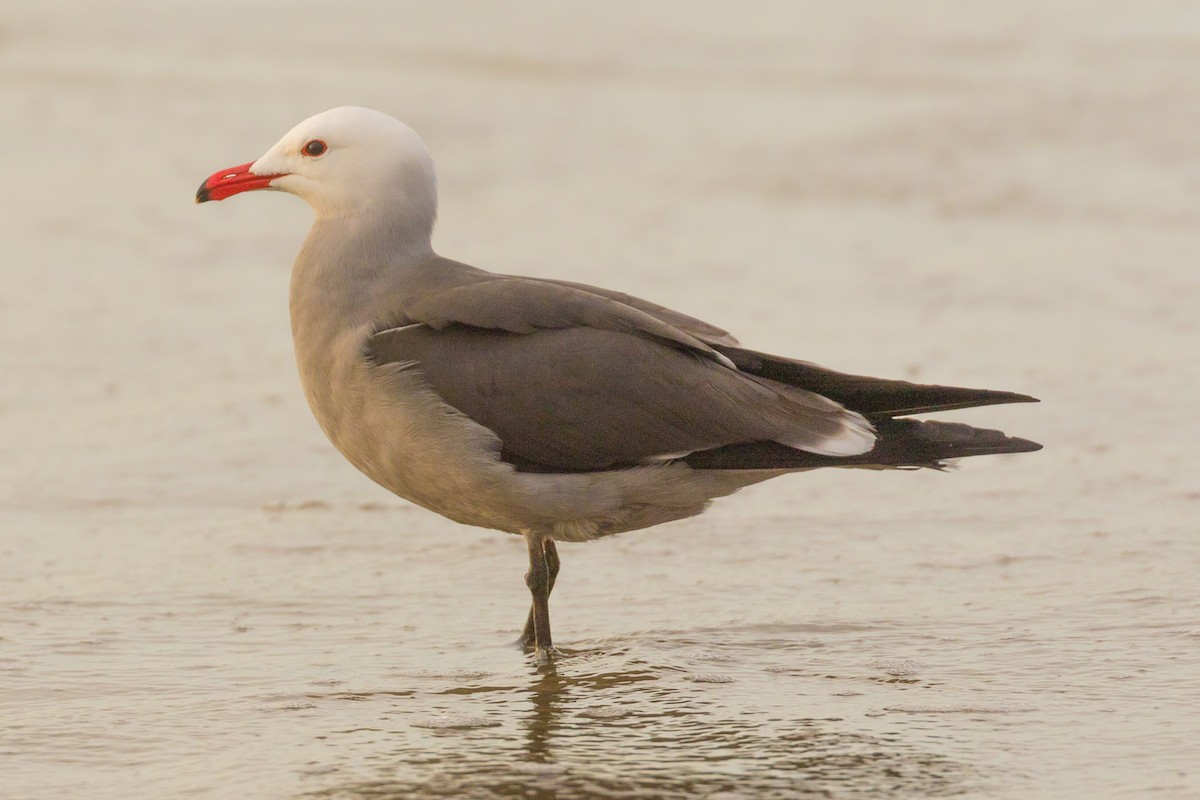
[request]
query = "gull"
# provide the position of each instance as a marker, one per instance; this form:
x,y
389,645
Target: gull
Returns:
x,y
547,408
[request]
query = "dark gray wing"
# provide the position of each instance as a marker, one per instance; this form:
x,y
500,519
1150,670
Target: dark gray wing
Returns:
x,y
594,396
870,396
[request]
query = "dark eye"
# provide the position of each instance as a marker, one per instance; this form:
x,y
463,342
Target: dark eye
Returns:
x,y
314,148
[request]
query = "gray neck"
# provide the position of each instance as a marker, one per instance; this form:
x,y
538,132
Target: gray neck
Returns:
x,y
351,278
352,271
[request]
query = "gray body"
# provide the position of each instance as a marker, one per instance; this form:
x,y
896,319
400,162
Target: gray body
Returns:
x,y
388,420
545,408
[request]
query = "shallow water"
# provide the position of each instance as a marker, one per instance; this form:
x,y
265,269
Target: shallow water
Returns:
x,y
198,598
311,651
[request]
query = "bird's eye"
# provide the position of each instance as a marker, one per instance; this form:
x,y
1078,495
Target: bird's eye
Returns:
x,y
314,148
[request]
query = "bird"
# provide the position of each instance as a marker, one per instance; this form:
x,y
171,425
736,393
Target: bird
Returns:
x,y
546,408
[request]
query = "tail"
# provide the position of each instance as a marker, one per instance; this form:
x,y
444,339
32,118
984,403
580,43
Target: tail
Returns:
x,y
901,443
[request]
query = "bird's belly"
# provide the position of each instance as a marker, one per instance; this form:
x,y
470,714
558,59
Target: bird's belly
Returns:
x,y
393,427
390,425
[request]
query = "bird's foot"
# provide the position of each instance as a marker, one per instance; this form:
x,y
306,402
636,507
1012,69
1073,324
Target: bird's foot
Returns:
x,y
545,656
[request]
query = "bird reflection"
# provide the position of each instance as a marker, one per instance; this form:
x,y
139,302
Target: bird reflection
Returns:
x,y
603,724
548,694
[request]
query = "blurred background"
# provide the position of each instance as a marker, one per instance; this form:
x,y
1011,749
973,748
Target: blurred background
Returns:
x,y
199,597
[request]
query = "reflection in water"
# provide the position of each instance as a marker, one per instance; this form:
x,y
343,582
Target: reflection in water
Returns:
x,y
605,724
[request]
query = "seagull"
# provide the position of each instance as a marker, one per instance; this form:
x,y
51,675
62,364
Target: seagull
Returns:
x,y
547,408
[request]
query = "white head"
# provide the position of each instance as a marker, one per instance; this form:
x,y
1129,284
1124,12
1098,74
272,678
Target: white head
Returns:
x,y
348,161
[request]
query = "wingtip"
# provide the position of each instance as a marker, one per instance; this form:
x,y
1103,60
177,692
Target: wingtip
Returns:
x,y
1018,445
1015,397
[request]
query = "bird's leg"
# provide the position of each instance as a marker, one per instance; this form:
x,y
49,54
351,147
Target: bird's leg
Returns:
x,y
543,569
552,564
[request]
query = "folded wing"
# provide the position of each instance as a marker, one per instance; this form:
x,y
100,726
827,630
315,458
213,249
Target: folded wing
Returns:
x,y
575,378
585,398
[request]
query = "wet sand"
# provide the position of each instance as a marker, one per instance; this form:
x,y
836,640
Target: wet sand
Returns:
x,y
198,597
